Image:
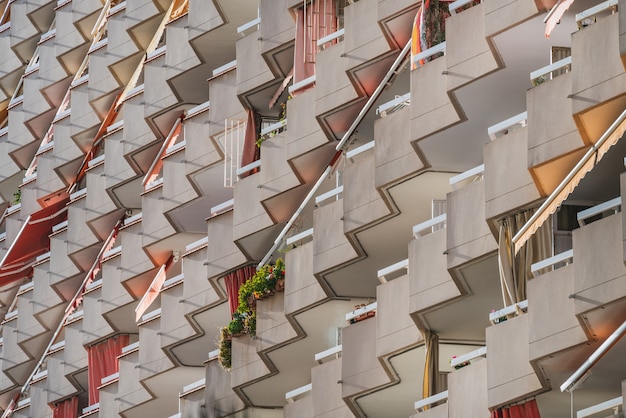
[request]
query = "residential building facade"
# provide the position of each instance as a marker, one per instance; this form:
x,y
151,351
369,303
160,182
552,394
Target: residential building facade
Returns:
x,y
442,181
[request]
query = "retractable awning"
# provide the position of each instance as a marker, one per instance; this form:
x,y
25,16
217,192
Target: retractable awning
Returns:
x,y
33,240
569,183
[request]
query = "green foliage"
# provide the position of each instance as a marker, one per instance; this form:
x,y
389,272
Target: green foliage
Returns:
x,y
262,284
225,348
17,197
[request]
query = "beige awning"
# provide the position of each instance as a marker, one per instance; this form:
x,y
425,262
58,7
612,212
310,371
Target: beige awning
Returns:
x,y
567,186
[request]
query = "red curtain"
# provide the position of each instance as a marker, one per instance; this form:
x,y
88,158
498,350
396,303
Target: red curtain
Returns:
x,y
233,282
66,409
313,22
526,410
251,152
102,362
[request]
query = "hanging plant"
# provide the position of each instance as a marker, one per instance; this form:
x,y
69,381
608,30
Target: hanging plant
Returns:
x,y
225,346
265,282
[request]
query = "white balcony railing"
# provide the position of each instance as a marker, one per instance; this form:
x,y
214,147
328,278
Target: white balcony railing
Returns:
x,y
372,307
360,150
330,37
291,395
302,84
225,68
439,397
328,195
222,207
429,225
274,127
465,359
546,73
331,352
430,52
394,105
248,167
589,16
455,5
241,30
611,205
613,404
213,355
299,237
565,256
506,126
387,271
501,315
473,173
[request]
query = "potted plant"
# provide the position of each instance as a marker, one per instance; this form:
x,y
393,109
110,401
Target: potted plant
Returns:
x,y
236,326
225,346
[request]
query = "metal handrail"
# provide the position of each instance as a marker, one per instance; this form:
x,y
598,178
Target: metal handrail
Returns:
x,y
339,148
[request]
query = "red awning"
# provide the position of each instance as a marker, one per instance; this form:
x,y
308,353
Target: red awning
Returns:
x,y
33,240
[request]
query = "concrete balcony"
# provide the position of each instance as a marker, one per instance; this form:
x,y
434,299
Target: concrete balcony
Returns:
x,y
14,174
129,388
307,147
192,398
508,184
214,28
501,15
468,391
220,400
31,335
604,288
250,219
553,324
16,363
71,22
330,246
597,96
225,257
157,372
46,183
469,55
510,376
278,178
430,284
395,331
137,143
273,329
326,393
439,112
395,157
277,31
94,323
102,211
102,85
361,371
155,226
256,72
301,407
351,70
469,237
302,290
61,265
362,203
554,142
82,244
28,21
56,372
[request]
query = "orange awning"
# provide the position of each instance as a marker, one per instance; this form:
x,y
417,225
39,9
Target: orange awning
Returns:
x,y
33,240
